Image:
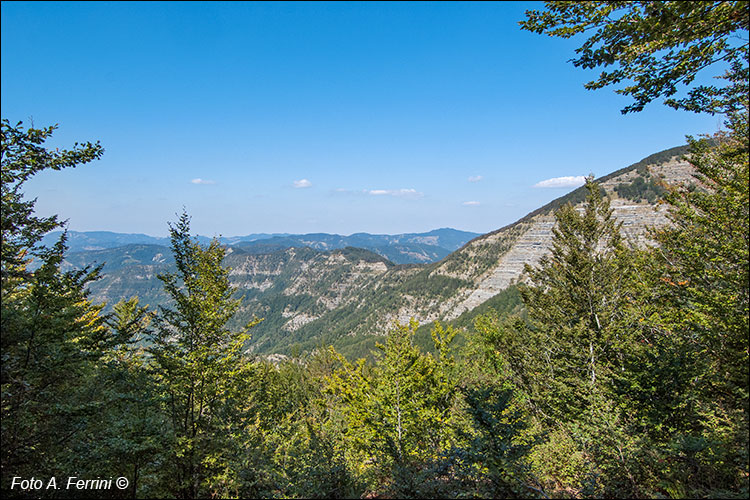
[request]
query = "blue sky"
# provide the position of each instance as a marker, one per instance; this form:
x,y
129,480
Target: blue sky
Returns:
x,y
312,117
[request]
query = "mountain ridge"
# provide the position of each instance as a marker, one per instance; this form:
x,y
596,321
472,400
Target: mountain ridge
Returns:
x,y
347,297
401,248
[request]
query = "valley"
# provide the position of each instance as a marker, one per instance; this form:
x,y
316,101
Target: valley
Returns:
x,y
314,290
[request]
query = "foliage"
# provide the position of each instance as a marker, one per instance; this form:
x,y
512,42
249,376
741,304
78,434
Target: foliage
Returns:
x,y
701,284
198,364
400,412
705,251
126,435
493,462
289,437
633,363
574,301
23,155
656,46
682,390
624,372
52,335
641,189
568,359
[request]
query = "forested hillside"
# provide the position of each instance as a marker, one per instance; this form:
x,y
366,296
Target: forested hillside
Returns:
x,y
348,298
597,348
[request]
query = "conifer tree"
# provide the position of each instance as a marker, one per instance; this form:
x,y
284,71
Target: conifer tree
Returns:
x,y
569,359
575,301
126,437
684,383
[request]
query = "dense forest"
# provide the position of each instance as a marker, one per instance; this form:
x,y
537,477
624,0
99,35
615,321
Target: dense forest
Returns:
x,y
612,371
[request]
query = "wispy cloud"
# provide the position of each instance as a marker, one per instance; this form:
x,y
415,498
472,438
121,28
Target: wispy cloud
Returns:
x,y
402,193
399,193
202,181
471,203
562,182
475,178
302,183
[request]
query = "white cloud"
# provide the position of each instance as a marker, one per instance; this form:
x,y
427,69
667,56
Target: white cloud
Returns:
x,y
471,203
475,178
202,181
302,183
403,193
562,182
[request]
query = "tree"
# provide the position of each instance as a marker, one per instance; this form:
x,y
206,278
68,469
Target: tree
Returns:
x,y
569,359
400,413
290,436
705,256
575,301
23,155
684,384
52,335
126,436
199,362
656,46
700,283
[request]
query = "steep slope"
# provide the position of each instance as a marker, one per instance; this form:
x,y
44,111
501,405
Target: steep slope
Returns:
x,y
490,263
530,238
293,287
287,287
126,272
310,297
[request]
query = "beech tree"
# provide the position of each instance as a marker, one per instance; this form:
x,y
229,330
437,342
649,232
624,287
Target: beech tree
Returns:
x,y
400,413
52,335
656,47
23,155
699,294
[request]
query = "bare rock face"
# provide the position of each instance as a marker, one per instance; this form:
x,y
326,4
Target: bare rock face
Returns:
x,y
494,261
528,248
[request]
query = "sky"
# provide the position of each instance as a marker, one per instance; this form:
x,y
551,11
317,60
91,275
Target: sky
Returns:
x,y
380,117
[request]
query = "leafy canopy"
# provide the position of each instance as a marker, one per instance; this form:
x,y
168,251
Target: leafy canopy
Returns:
x,y
198,363
52,335
656,46
22,155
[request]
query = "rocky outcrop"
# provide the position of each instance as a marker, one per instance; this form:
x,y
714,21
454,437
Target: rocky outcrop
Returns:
x,y
495,261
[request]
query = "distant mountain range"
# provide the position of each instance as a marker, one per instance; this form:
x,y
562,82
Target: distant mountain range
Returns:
x,y
410,248
79,241
312,292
